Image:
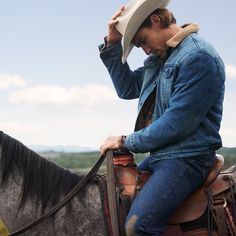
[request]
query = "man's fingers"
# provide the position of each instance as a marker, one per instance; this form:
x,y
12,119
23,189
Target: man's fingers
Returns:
x,y
112,23
102,150
118,13
111,143
105,146
113,35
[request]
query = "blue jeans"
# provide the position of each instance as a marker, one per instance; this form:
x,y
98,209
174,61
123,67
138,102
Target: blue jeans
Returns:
x,y
171,182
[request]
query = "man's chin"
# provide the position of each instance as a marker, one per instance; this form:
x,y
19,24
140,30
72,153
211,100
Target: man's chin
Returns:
x,y
161,54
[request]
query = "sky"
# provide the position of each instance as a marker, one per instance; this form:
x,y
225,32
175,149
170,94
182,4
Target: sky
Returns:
x,y
54,89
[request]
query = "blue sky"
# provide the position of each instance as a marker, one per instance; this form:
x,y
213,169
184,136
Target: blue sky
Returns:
x,y
55,90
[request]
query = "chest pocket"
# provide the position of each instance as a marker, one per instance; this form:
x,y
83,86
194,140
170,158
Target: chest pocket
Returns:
x,y
166,83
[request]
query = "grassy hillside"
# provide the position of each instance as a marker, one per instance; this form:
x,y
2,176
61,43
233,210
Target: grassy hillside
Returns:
x,y
85,160
229,155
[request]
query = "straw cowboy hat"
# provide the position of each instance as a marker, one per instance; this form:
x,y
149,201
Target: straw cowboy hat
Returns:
x,y
136,11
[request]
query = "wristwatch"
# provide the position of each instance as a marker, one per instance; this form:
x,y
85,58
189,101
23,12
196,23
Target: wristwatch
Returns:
x,y
122,140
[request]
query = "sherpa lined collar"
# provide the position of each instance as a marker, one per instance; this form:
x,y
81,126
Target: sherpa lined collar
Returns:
x,y
182,34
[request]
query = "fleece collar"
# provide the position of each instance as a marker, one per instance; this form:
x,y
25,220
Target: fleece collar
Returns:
x,y
182,34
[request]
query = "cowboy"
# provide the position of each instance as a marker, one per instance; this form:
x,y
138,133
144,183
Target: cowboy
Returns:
x,y
180,89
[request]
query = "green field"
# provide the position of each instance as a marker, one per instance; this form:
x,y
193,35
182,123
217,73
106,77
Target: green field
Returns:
x,y
83,161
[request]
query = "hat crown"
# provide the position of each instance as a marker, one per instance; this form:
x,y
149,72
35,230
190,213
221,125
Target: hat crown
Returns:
x,y
123,20
136,11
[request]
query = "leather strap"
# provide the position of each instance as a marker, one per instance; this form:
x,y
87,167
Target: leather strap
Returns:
x,y
67,198
221,220
112,200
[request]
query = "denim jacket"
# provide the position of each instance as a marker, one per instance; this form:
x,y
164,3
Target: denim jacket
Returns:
x,y
189,88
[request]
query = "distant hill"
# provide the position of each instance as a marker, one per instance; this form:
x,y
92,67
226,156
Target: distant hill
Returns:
x,y
227,150
85,159
60,148
78,149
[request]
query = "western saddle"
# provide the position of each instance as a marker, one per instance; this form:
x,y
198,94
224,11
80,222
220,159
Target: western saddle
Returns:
x,y
124,181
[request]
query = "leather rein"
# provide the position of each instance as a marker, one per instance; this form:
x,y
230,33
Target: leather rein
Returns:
x,y
67,198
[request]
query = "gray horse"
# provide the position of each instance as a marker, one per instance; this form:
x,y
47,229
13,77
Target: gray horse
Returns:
x,y
30,185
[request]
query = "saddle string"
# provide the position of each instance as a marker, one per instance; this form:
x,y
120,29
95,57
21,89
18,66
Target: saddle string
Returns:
x,y
210,214
232,192
230,221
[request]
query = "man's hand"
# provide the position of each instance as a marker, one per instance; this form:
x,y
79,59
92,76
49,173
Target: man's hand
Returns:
x,y
112,143
113,35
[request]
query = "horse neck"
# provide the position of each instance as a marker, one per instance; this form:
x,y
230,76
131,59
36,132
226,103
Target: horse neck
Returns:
x,y
79,217
39,181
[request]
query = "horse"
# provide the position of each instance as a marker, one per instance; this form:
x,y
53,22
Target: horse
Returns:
x,y
31,185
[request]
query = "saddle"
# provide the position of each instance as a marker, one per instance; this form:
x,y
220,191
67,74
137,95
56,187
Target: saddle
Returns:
x,y
124,181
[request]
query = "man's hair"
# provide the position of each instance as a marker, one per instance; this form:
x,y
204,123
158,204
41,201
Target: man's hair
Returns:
x,y
166,18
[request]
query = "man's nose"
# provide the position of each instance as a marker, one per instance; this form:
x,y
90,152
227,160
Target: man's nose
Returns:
x,y
147,50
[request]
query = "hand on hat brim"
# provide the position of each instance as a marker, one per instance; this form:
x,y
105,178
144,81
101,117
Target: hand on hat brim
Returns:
x,y
114,36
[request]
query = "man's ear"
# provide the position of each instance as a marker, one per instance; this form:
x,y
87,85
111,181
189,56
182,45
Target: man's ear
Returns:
x,y
155,19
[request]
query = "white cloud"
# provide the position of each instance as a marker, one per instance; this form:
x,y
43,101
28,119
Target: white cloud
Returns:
x,y
8,80
87,131
83,97
230,70
16,126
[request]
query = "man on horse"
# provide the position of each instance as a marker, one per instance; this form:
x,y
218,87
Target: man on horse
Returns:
x,y
180,89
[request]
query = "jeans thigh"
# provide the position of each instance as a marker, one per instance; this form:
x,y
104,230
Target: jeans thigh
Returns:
x,y
171,182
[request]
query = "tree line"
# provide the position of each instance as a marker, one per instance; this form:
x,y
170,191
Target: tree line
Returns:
x,y
85,160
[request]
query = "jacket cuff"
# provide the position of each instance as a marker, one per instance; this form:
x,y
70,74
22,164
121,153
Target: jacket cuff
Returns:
x,y
111,50
129,143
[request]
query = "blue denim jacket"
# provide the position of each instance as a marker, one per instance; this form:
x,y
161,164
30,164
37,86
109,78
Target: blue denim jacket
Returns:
x,y
189,98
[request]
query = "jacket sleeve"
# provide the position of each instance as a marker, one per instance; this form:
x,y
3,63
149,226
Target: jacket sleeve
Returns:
x,y
127,83
195,91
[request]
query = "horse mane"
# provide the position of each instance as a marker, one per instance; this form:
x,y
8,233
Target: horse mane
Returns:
x,y
41,179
